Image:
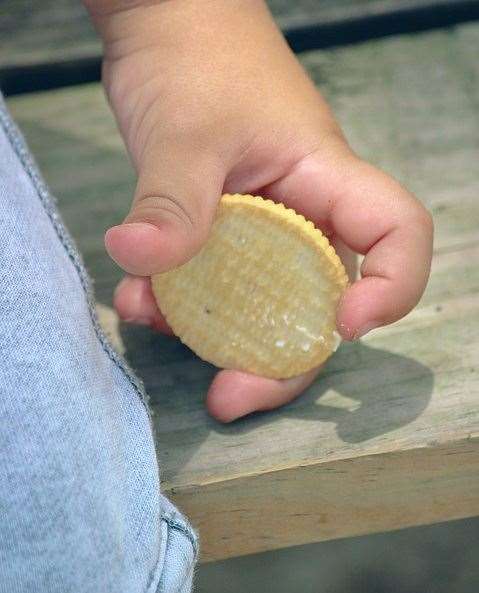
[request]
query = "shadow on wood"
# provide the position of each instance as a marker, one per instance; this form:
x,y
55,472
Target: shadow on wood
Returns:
x,y
369,377
366,392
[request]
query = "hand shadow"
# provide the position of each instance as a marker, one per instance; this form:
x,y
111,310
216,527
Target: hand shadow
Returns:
x,y
384,392
366,392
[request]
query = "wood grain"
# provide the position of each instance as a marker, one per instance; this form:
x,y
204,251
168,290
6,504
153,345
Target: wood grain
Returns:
x,y
389,434
336,499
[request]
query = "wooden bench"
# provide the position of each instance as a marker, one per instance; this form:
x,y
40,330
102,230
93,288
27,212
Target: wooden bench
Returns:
x,y
388,436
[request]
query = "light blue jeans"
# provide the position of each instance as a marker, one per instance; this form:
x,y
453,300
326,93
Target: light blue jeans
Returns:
x,y
80,503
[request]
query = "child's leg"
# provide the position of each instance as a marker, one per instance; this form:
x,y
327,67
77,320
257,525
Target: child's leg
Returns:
x,y
80,506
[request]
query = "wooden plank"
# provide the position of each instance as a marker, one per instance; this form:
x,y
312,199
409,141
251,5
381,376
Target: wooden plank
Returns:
x,y
337,499
50,30
389,435
59,30
292,14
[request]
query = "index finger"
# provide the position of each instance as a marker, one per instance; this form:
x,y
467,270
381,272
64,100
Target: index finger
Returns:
x,y
375,216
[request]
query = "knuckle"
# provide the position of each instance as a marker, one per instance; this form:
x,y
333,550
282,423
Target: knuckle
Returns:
x,y
426,218
152,208
422,217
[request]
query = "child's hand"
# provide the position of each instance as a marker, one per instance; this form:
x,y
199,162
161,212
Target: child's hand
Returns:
x,y
210,99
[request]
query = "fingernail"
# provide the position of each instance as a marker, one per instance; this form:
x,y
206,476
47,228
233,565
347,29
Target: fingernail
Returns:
x,y
139,320
125,230
124,282
138,226
129,290
366,328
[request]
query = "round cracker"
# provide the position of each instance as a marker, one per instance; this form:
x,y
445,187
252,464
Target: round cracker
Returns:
x,y
261,295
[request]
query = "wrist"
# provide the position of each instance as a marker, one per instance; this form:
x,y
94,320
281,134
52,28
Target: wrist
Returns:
x,y
126,26
211,71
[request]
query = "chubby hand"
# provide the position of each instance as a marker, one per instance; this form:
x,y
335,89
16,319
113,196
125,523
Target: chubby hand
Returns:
x,y
210,100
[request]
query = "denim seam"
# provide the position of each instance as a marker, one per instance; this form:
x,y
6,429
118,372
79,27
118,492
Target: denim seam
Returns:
x,y
156,578
48,202
172,524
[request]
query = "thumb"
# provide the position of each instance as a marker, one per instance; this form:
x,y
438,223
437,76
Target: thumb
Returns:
x,y
175,202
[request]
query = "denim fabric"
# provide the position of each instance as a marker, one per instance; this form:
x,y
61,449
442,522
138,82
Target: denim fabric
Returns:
x,y
80,504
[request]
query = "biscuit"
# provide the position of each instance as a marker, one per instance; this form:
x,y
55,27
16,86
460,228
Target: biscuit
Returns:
x,y
261,295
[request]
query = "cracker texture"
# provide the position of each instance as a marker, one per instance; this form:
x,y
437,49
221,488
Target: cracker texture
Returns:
x,y
261,296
